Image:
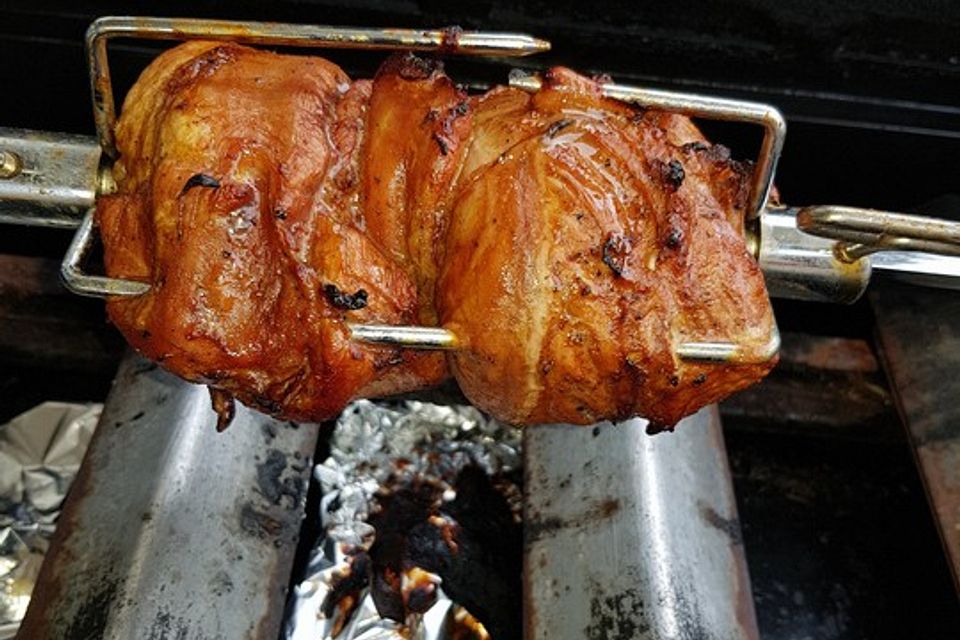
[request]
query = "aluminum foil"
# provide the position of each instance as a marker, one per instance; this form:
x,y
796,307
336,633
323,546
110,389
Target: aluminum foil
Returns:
x,y
40,452
373,445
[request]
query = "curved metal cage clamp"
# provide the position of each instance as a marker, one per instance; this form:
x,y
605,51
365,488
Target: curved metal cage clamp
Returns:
x,y
707,107
861,232
449,40
76,280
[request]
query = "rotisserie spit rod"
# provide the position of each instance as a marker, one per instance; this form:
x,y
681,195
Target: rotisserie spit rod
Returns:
x,y
52,180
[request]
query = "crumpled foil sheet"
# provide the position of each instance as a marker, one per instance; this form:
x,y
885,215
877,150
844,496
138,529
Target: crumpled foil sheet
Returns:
x,y
371,444
40,452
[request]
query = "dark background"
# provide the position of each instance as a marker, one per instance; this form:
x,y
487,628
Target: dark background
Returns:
x,y
871,88
839,538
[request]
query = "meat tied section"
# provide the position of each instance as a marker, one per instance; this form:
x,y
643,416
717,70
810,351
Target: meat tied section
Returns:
x,y
571,242
239,200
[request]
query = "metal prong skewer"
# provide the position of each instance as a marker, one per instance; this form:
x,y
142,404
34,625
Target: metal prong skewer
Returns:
x,y
81,283
729,352
860,232
439,338
414,337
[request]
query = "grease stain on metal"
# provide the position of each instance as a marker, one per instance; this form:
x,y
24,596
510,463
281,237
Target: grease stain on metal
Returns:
x,y
221,583
167,627
91,618
273,486
728,526
619,616
257,523
537,528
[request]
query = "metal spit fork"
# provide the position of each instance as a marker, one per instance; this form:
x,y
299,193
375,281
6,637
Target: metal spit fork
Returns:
x,y
653,528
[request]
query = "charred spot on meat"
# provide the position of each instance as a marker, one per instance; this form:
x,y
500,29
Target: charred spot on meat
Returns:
x,y
410,66
200,180
694,146
345,301
672,173
614,252
558,126
674,238
675,174
441,143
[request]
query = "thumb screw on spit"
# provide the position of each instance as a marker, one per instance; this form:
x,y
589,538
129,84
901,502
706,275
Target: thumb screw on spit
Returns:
x,y
10,164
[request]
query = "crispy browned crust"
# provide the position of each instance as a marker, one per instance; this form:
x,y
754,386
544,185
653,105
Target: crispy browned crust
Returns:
x,y
570,241
589,241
